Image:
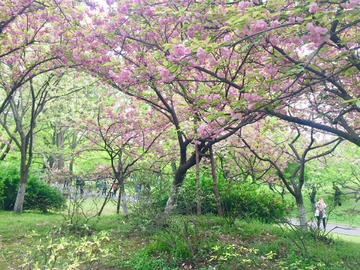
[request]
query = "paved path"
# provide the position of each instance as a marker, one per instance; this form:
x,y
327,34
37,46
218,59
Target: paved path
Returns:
x,y
333,227
88,193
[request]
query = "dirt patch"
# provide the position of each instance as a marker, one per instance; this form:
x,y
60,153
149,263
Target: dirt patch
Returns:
x,y
230,239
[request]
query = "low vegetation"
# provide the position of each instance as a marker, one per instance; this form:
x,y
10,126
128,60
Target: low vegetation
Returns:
x,y
38,196
39,241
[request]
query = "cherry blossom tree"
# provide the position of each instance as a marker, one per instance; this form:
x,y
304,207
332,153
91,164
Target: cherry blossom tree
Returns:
x,y
297,147
141,71
33,35
296,60
224,64
125,132
201,60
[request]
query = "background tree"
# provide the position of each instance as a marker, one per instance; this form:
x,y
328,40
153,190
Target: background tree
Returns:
x,y
342,169
62,133
126,135
25,106
32,34
295,147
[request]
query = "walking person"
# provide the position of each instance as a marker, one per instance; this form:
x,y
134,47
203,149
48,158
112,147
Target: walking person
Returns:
x,y
98,186
320,212
312,197
138,190
337,196
104,188
115,189
77,184
82,184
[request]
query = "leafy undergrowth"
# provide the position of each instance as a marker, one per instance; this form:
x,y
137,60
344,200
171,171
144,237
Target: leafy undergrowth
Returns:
x,y
37,241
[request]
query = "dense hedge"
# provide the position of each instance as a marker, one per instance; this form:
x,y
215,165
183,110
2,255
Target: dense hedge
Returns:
x,y
244,200
38,196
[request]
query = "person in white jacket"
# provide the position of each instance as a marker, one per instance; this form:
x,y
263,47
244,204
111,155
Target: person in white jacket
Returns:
x,y
320,212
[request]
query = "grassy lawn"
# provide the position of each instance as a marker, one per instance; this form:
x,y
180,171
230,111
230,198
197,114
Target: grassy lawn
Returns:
x,y
14,227
139,246
34,240
349,238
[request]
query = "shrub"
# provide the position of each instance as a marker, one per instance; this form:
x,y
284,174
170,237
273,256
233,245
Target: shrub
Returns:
x,y
67,253
38,196
249,201
239,200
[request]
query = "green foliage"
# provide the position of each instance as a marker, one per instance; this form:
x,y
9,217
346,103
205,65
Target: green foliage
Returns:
x,y
291,167
68,253
38,196
250,201
239,200
243,246
145,261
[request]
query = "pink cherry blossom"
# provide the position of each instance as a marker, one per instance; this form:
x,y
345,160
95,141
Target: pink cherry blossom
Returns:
x,y
179,51
259,26
201,53
313,8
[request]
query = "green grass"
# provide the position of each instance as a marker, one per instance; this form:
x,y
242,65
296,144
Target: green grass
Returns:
x,y
92,205
348,238
140,245
14,227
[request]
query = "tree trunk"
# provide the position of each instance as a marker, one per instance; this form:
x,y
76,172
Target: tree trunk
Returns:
x,y
6,151
216,189
71,166
18,207
179,177
122,199
171,202
176,184
124,203
354,205
198,209
301,210
119,200
60,138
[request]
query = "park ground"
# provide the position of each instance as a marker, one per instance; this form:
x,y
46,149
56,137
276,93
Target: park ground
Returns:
x,y
111,241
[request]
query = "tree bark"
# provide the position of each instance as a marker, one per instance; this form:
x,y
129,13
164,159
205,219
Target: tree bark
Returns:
x,y
354,205
179,176
122,199
124,203
216,189
301,210
171,202
71,166
6,151
60,139
24,170
198,209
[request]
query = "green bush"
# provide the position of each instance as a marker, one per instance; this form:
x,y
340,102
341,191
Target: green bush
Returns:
x,y
38,196
238,200
249,201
